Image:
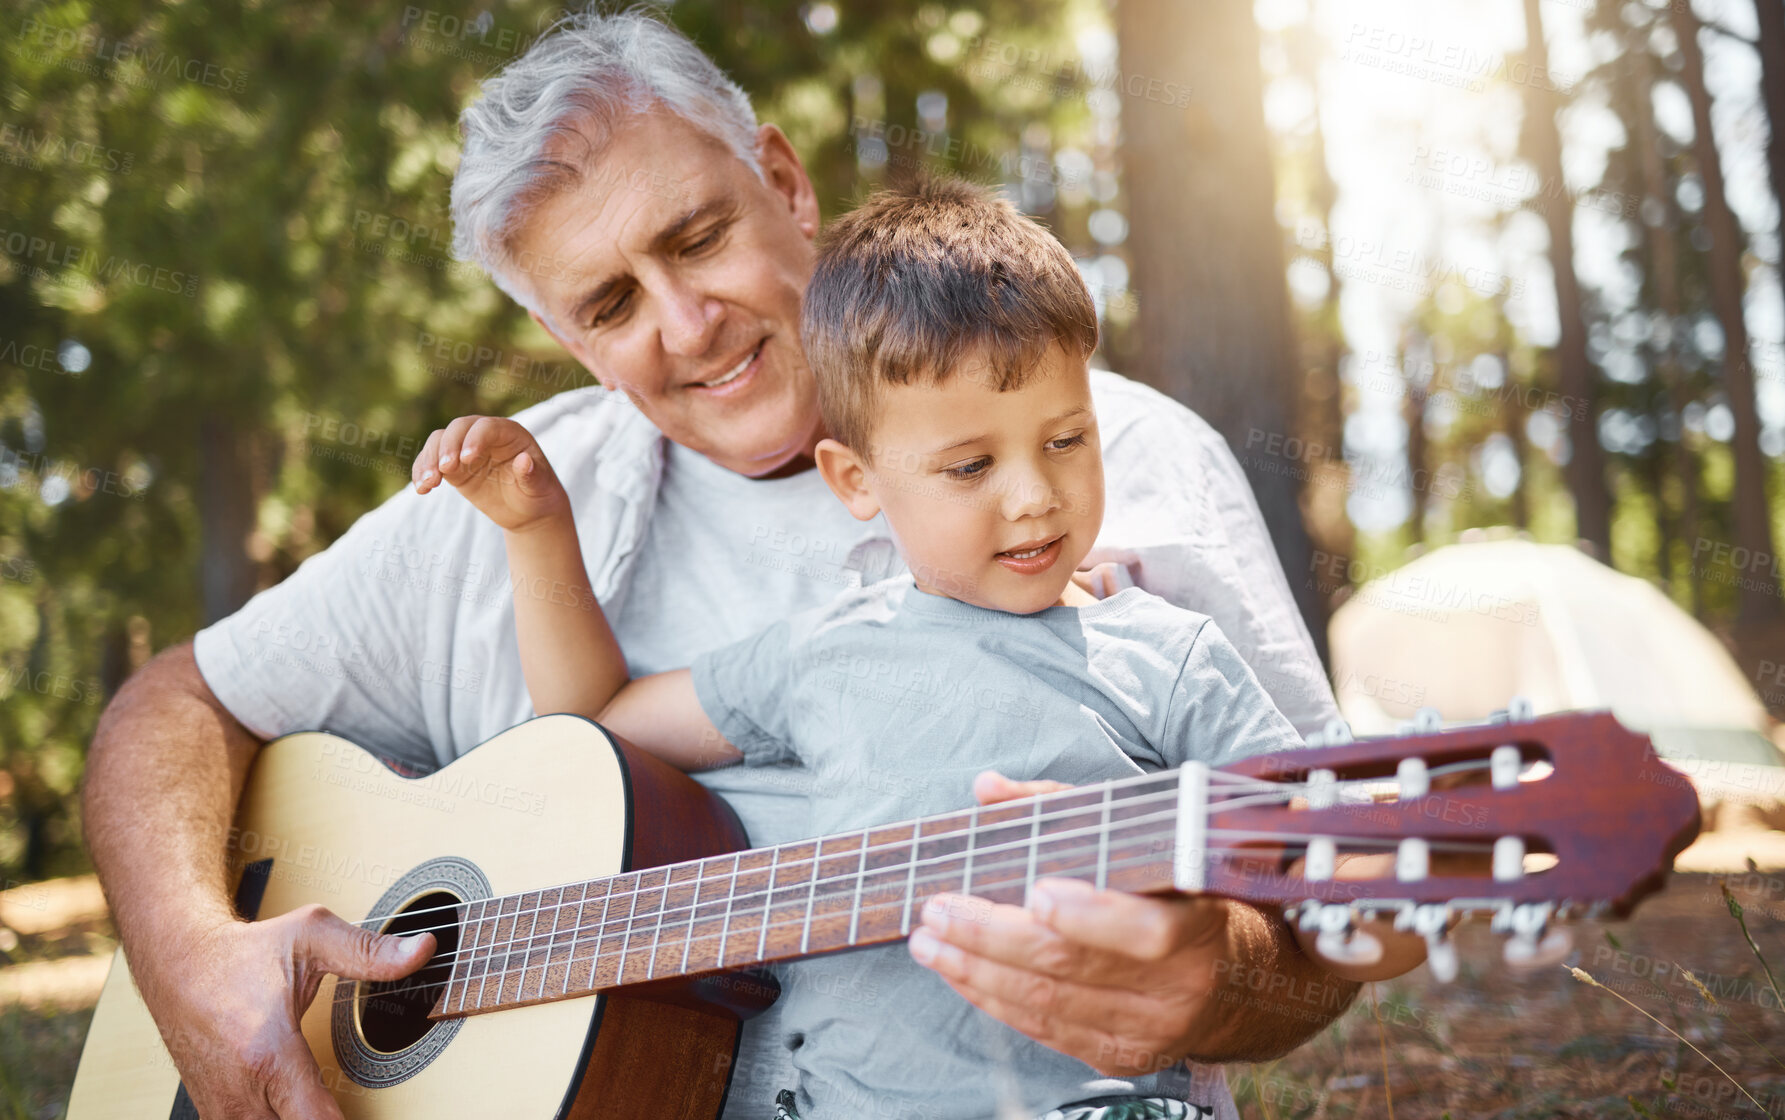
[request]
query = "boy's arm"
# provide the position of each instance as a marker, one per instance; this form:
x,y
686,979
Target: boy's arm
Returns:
x,y
569,655
663,714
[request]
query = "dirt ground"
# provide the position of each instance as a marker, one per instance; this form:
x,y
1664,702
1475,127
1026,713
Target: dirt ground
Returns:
x,y
1495,1043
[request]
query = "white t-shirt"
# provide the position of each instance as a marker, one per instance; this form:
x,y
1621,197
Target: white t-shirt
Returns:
x,y
400,636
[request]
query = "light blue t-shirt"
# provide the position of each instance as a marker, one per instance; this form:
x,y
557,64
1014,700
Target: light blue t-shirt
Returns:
x,y
881,707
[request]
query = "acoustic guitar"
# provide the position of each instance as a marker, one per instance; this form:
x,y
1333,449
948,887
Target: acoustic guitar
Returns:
x,y
598,916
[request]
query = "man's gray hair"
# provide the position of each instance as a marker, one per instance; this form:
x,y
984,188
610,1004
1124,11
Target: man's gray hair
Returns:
x,y
575,84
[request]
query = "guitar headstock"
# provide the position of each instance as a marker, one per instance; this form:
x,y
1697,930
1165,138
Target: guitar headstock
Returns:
x,y
1527,820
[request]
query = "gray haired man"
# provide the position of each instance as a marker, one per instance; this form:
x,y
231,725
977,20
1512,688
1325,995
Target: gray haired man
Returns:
x,y
619,187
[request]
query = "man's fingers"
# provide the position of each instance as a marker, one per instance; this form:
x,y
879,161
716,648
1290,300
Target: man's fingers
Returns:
x,y
294,1088
971,936
358,954
991,787
1146,929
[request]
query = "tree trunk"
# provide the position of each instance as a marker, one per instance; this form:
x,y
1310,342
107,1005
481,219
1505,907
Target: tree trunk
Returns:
x,y
227,508
1214,329
1585,471
1753,522
1665,265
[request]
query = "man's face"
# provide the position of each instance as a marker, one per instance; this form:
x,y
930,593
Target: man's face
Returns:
x,y
994,498
675,275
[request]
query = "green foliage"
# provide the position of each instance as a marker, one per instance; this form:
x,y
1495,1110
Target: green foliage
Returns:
x,y
228,312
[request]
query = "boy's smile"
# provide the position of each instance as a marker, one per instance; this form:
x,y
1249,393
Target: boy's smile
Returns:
x,y
993,497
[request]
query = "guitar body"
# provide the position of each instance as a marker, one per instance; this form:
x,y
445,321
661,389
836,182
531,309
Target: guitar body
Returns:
x,y
551,801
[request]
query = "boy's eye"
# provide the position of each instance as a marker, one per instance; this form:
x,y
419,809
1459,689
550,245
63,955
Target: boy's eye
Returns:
x,y
1066,442
969,470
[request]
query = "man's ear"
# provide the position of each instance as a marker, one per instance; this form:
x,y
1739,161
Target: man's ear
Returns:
x,y
843,471
786,176
556,337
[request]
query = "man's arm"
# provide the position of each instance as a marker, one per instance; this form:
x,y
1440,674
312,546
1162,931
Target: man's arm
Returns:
x,y
166,767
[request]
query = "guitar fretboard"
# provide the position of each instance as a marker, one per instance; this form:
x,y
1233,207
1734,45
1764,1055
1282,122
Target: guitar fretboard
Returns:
x,y
814,896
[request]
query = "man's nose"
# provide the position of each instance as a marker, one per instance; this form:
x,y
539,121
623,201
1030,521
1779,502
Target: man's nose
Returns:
x,y
688,319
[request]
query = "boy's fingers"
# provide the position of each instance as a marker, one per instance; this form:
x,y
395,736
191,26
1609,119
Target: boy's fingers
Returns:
x,y
426,468
453,440
487,437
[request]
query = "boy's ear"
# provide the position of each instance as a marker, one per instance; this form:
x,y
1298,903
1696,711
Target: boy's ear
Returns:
x,y
843,471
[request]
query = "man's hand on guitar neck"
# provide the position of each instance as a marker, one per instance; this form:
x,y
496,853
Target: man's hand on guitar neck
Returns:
x,y
163,776
1128,985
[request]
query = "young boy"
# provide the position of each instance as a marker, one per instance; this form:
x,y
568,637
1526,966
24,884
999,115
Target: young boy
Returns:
x,y
950,338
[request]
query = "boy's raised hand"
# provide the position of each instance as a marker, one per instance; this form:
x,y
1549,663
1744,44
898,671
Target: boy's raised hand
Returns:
x,y
498,466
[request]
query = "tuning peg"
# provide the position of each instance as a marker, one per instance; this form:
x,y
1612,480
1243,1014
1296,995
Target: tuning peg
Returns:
x,y
1441,958
1533,944
1428,920
1519,709
1340,940
1424,722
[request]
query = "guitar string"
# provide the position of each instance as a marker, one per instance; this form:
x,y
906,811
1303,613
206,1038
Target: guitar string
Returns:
x,y
853,854
908,843
582,932
1274,792
916,822
482,978
528,965
1261,786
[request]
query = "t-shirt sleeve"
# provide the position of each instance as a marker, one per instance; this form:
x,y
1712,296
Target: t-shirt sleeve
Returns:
x,y
343,643
1219,712
745,688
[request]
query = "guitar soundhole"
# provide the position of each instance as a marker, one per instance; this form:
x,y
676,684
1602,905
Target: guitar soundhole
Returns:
x,y
394,1013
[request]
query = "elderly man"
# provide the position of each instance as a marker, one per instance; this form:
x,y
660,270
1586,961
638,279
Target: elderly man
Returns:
x,y
618,186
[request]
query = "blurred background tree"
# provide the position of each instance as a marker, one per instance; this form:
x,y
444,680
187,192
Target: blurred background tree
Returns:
x,y
1435,271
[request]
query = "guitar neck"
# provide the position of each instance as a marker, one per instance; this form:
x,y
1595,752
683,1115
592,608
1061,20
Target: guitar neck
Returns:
x,y
1567,814
815,896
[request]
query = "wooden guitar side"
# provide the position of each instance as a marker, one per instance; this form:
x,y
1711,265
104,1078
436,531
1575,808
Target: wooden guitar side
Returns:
x,y
553,800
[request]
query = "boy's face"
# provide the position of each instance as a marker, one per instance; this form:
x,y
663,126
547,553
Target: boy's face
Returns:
x,y
993,498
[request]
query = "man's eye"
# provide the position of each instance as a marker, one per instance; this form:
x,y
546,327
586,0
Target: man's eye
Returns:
x,y
707,242
969,470
1065,442
612,310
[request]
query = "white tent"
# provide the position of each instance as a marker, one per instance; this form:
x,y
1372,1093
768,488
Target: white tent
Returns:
x,y
1465,627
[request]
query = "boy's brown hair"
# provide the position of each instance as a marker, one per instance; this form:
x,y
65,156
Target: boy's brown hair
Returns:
x,y
923,276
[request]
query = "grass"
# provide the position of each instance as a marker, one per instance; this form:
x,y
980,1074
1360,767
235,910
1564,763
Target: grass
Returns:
x,y
1496,1043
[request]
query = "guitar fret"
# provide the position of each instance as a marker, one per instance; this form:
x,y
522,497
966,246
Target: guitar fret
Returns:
x,y
967,867
730,894
1034,849
910,881
551,940
470,953
700,874
600,932
861,874
452,977
811,894
495,940
626,942
657,936
768,900
1103,843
